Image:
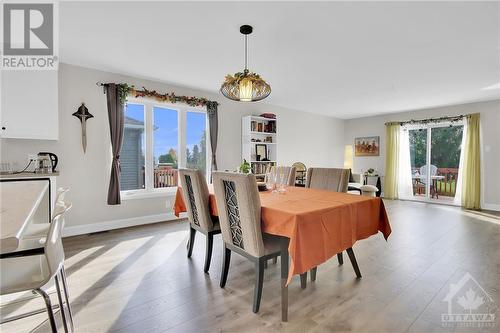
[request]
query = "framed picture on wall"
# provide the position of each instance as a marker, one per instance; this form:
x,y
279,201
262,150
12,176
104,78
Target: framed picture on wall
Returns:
x,y
367,146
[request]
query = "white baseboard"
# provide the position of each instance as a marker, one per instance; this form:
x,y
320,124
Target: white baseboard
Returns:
x,y
491,207
116,224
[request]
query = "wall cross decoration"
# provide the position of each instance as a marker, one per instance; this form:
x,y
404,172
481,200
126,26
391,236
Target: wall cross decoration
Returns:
x,y
83,114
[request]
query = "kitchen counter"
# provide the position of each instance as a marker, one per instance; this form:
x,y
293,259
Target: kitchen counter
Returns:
x,y
23,202
51,178
28,175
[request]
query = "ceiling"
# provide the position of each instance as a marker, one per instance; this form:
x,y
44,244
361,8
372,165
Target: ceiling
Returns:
x,y
343,59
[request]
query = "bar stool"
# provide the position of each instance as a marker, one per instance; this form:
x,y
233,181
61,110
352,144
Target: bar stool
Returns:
x,y
33,272
39,230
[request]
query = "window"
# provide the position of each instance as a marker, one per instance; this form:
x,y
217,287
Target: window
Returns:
x,y
159,139
196,150
165,147
132,175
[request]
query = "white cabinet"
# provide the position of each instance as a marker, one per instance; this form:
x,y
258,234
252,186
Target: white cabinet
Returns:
x,y
29,105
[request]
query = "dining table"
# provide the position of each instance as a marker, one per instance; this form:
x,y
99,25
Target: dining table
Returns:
x,y
317,224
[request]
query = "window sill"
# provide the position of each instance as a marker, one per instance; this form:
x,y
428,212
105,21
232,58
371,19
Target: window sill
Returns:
x,y
144,194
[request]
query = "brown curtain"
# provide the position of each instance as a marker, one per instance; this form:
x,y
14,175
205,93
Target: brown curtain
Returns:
x,y
116,124
213,126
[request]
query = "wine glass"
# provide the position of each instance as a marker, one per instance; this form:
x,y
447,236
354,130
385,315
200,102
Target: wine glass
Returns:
x,y
269,180
273,175
281,187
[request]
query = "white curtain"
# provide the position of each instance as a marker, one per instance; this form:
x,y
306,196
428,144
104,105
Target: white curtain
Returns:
x,y
458,189
405,187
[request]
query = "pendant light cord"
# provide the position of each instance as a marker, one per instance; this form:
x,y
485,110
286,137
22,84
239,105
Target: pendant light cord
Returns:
x,y
246,52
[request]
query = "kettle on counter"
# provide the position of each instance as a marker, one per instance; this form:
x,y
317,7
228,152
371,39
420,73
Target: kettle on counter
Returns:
x,y
51,157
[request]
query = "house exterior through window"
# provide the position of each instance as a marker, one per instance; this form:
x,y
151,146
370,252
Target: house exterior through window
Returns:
x,y
159,139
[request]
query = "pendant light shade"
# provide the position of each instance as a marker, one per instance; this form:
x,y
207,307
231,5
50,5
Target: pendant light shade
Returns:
x,y
245,86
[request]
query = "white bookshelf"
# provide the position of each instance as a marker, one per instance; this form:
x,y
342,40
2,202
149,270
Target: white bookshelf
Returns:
x,y
253,134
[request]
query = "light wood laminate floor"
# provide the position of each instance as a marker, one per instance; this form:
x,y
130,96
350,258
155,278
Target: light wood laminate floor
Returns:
x,y
139,280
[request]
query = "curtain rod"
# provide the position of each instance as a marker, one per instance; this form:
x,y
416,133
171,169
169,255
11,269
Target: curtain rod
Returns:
x,y
428,120
103,85
167,97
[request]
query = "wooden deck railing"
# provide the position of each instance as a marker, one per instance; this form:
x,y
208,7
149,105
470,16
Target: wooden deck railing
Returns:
x,y
165,178
448,185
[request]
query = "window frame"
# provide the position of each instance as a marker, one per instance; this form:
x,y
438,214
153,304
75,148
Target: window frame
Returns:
x,y
149,104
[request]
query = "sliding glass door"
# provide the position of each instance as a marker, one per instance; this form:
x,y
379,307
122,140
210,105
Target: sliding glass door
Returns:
x,y
435,160
446,146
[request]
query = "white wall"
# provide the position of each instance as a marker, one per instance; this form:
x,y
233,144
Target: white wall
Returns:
x,y
490,128
313,139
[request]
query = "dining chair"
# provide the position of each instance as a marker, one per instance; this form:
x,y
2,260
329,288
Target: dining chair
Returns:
x,y
300,173
34,271
286,173
196,196
238,204
331,179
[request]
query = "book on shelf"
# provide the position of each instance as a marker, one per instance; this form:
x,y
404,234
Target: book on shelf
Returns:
x,y
263,126
258,131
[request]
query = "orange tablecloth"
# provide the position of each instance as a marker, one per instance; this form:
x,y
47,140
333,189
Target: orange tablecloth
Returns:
x,y
318,223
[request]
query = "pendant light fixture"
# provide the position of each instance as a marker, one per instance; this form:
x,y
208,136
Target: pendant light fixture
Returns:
x,y
245,86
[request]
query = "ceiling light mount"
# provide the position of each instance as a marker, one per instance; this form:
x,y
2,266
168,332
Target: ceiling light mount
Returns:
x,y
245,86
246,29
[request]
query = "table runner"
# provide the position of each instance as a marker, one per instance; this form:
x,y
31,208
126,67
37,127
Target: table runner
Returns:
x,y
318,223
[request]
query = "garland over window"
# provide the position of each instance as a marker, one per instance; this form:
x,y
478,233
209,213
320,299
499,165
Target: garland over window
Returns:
x,y
126,90
451,119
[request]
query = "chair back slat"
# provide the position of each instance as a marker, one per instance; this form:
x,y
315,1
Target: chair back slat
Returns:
x,y
238,204
331,179
196,196
53,249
